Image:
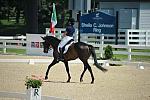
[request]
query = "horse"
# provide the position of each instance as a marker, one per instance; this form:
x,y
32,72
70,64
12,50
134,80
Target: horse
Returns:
x,y
79,50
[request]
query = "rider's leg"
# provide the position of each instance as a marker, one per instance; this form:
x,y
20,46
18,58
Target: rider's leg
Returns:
x,y
61,57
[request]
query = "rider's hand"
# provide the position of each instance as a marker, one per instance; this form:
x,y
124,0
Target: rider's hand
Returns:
x,y
64,34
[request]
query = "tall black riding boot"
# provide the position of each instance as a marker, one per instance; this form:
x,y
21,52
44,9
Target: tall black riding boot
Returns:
x,y
61,57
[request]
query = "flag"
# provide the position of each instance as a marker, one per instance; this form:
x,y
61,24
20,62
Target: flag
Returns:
x,y
53,21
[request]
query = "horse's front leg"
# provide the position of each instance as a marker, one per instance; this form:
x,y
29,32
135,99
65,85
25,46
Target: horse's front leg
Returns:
x,y
53,63
67,69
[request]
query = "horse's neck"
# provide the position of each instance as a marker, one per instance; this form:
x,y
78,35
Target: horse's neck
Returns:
x,y
55,45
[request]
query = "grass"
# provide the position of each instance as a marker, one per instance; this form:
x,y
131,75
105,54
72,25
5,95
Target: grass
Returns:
x,y
17,51
14,51
8,23
133,57
140,50
141,58
121,57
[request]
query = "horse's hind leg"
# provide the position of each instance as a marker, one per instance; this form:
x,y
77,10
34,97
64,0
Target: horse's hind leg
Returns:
x,y
81,77
90,70
67,69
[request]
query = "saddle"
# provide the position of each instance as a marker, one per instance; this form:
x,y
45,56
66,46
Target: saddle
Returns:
x,y
67,45
71,52
68,52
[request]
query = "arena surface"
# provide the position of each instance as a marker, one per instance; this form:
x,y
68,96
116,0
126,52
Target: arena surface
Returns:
x,y
125,82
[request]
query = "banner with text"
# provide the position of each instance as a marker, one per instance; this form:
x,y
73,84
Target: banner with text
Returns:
x,y
97,22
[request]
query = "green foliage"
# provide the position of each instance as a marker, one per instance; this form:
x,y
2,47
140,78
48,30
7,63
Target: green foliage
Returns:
x,y
108,52
34,83
16,51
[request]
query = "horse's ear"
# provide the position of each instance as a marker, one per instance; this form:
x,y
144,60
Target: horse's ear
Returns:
x,y
43,38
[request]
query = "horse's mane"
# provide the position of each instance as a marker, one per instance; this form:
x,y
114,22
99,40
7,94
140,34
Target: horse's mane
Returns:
x,y
52,40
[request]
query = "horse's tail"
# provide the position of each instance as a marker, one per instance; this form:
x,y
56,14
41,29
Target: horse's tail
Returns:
x,y
92,49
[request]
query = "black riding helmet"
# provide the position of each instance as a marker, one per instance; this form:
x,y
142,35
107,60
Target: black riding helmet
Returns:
x,y
71,21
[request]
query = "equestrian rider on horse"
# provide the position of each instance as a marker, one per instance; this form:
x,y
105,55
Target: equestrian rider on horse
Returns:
x,y
67,38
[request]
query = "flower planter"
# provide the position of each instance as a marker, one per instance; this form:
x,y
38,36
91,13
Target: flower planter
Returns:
x,y
34,93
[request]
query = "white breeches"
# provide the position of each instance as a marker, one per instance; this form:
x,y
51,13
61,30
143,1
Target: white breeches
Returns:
x,y
64,41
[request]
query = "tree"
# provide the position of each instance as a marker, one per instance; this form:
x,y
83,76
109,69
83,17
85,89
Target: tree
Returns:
x,y
31,15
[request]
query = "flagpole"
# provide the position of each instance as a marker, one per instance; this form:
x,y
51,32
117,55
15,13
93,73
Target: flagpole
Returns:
x,y
79,15
53,21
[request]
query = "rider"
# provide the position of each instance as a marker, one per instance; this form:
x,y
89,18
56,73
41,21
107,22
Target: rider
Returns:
x,y
67,37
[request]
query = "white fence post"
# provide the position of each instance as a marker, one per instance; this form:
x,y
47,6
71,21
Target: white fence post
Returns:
x,y
126,37
76,35
59,33
102,45
4,49
146,40
129,54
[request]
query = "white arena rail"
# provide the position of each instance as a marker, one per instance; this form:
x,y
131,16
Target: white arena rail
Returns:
x,y
23,96
34,61
12,37
98,43
77,61
4,44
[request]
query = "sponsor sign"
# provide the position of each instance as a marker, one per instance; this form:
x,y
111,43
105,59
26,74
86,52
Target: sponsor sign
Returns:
x,y
97,22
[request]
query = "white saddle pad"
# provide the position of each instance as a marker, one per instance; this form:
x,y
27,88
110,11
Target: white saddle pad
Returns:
x,y
67,47
63,42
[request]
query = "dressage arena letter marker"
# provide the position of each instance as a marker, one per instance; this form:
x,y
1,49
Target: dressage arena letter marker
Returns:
x,y
34,94
31,62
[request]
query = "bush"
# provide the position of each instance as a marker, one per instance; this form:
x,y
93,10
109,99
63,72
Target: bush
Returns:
x,y
108,52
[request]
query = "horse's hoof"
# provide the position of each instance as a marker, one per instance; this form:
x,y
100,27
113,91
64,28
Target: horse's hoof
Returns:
x,y
92,82
68,81
81,80
46,77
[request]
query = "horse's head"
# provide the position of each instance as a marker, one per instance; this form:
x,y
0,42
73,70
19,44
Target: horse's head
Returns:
x,y
50,42
46,44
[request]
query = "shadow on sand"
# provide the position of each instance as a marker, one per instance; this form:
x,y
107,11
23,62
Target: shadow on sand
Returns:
x,y
66,82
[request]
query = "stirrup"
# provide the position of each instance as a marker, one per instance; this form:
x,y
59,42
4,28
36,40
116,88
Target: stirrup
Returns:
x,y
60,59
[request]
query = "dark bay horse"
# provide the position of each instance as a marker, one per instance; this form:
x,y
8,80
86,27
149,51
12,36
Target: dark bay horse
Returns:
x,y
77,50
